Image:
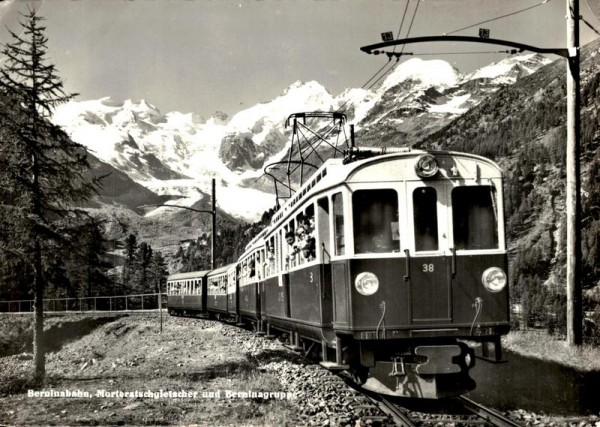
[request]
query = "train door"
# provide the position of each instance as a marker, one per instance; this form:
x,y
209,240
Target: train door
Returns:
x,y
477,237
429,275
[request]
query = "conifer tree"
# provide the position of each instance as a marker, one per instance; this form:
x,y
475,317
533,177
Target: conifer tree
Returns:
x,y
42,171
144,259
158,272
129,266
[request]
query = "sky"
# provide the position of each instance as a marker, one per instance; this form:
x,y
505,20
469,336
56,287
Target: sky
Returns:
x,y
203,56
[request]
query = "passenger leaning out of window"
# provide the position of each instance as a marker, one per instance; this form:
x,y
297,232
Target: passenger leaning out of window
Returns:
x,y
293,249
306,243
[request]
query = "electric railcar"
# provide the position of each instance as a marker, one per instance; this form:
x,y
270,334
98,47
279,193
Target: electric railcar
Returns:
x,y
388,264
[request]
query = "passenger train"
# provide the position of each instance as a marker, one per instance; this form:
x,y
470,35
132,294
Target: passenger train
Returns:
x,y
392,263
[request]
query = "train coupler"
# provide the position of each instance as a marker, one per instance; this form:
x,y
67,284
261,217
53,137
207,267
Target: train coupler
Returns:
x,y
431,372
395,371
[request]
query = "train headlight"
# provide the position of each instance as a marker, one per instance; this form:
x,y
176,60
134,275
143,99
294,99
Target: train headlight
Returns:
x,y
426,166
366,283
494,279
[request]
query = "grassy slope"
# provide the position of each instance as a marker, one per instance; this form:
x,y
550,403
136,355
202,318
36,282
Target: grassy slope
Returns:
x,y
540,345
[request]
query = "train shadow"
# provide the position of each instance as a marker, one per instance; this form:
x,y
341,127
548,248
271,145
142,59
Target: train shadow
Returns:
x,y
62,333
17,336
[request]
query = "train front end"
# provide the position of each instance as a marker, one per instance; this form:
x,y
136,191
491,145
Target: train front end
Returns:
x,y
419,270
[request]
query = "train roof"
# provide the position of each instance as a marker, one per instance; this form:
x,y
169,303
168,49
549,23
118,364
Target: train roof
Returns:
x,y
189,275
336,171
222,269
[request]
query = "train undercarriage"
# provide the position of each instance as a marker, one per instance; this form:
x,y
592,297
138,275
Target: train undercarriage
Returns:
x,y
426,368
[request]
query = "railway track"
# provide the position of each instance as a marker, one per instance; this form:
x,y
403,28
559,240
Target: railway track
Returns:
x,y
459,411
490,415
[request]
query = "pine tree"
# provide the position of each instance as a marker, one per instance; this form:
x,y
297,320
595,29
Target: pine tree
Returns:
x,y
42,170
157,275
144,259
129,266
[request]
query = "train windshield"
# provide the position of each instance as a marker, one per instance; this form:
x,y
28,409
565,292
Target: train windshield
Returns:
x,y
375,215
425,219
475,218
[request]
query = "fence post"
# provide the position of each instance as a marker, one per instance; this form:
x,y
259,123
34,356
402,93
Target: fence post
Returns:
x,y
95,304
110,303
126,302
160,310
142,302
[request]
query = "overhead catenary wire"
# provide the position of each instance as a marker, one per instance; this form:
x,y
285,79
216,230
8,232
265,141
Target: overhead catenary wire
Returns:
x,y
375,75
397,36
391,65
498,17
482,52
398,55
410,26
589,25
402,21
387,64
402,51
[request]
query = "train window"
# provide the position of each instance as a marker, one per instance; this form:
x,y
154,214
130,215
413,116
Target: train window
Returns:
x,y
425,219
270,249
291,246
252,267
323,221
278,250
475,218
375,221
338,221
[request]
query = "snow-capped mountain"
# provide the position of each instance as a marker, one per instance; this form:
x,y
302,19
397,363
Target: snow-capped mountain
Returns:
x,y
420,97
176,154
510,69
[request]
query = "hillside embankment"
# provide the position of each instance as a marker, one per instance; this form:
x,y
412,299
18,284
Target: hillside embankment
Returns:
x,y
124,371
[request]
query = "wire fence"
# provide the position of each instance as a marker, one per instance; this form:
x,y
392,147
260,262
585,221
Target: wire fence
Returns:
x,y
90,304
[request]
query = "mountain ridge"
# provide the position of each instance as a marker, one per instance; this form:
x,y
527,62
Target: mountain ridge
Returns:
x,y
167,151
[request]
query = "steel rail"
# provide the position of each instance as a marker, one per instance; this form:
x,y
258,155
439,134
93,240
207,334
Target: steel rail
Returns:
x,y
400,417
490,415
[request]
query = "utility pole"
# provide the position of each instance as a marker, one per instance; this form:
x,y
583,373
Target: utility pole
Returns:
x,y
214,226
212,212
574,304
573,190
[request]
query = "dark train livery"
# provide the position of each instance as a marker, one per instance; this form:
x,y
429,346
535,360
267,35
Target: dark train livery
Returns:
x,y
388,265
